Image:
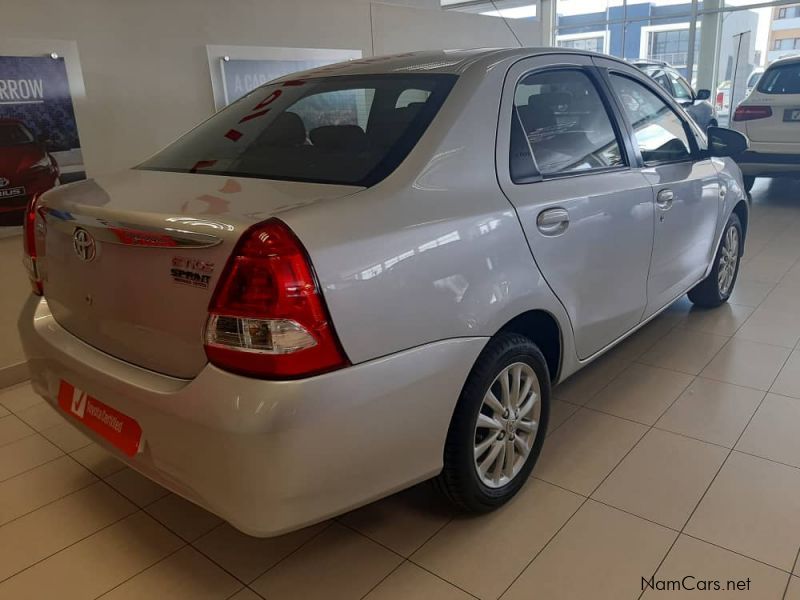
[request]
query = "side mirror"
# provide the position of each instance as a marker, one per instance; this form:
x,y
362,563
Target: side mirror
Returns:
x,y
726,142
703,95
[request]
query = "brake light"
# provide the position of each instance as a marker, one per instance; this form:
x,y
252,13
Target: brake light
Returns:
x,y
267,317
751,113
31,256
720,100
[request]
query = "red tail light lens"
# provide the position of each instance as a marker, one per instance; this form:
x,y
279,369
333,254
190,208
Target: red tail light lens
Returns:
x,y
720,100
31,255
267,316
751,113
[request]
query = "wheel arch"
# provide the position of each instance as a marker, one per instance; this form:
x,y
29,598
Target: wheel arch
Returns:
x,y
741,211
543,329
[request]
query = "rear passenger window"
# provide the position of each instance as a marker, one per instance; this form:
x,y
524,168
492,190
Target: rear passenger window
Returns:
x,y
560,119
658,131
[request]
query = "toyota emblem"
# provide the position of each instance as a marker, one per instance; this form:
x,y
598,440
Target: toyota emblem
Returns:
x,y
84,245
4,182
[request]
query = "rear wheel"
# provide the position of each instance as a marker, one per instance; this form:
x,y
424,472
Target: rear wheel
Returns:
x,y
718,286
749,182
499,425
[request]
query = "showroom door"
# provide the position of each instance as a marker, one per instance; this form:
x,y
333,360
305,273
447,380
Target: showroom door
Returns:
x,y
587,215
685,185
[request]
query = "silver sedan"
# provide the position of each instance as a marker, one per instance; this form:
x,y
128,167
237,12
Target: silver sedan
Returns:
x,y
368,275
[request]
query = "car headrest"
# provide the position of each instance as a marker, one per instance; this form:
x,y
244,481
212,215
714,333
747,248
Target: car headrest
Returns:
x,y
338,138
552,101
286,130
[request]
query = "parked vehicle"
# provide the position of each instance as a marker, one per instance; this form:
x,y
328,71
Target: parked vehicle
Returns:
x,y
697,104
722,104
770,118
368,275
26,169
752,80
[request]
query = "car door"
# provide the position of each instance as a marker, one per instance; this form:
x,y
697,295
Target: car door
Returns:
x,y
564,163
685,184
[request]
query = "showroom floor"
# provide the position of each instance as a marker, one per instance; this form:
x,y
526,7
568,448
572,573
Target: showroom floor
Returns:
x,y
677,453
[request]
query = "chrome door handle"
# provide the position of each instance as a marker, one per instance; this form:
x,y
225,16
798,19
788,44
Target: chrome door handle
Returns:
x,y
552,221
664,199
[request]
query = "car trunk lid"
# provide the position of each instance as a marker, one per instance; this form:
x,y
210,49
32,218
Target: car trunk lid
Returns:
x,y
131,261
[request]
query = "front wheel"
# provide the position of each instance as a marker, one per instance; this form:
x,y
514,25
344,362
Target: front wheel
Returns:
x,y
498,427
718,286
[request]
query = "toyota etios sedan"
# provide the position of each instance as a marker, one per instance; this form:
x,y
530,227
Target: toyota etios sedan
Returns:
x,y
367,275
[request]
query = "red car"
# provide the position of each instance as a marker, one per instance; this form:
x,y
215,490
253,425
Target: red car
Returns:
x,y
26,168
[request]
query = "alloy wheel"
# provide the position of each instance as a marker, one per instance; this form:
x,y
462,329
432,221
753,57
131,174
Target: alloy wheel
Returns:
x,y
728,260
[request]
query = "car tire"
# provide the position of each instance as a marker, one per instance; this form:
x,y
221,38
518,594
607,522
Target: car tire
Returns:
x,y
749,181
471,479
718,286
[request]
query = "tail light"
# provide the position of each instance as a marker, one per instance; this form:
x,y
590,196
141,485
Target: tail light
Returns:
x,y
31,231
720,100
751,113
267,317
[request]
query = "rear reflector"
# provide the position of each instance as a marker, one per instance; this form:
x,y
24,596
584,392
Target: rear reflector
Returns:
x,y
751,113
33,227
267,317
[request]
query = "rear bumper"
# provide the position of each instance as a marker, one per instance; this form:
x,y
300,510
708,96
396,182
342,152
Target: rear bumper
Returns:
x,y
268,456
757,163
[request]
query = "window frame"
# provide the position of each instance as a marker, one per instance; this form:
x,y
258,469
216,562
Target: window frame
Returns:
x,y
695,152
597,81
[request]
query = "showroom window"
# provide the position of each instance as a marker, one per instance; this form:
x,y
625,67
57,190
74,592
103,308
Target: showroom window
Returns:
x,y
507,9
564,123
659,133
680,89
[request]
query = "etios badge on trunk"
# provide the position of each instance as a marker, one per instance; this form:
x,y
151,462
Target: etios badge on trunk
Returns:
x,y
84,245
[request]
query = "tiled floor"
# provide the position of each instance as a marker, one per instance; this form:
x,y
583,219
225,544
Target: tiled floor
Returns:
x,y
676,454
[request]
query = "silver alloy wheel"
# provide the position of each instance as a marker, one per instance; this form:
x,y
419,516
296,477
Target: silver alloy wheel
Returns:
x,y
507,424
728,259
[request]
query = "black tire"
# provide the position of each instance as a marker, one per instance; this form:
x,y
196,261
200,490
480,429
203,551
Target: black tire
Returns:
x,y
459,480
707,293
749,181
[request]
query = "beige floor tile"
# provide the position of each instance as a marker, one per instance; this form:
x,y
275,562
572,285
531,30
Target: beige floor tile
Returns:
x,y
712,411
747,363
560,411
95,564
183,517
771,327
4,412
35,488
98,460
404,521
783,298
248,557
722,320
516,532
19,397
185,574
644,339
601,553
585,449
323,568
409,582
684,350
765,270
136,487
13,428
793,591
749,293
705,562
246,594
663,478
55,526
66,437
788,381
24,454
580,387
752,508
773,432
641,393
41,416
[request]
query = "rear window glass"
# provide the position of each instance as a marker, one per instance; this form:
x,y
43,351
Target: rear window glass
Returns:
x,y
783,79
345,130
14,134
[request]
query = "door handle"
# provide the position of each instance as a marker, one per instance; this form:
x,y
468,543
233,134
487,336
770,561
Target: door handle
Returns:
x,y
552,221
664,199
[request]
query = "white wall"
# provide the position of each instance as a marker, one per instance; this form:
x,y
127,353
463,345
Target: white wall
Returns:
x,y
146,73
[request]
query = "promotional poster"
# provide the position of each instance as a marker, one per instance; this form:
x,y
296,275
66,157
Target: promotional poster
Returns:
x,y
241,76
39,143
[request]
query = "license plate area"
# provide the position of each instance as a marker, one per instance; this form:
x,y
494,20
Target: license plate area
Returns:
x,y
791,115
12,192
117,428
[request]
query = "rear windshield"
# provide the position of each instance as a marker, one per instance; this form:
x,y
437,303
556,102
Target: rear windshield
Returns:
x,y
14,134
344,130
784,79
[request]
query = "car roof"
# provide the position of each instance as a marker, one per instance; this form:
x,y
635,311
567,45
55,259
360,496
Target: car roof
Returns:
x,y
794,58
454,62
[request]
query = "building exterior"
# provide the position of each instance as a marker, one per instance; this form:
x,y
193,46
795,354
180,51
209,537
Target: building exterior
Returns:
x,y
784,35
